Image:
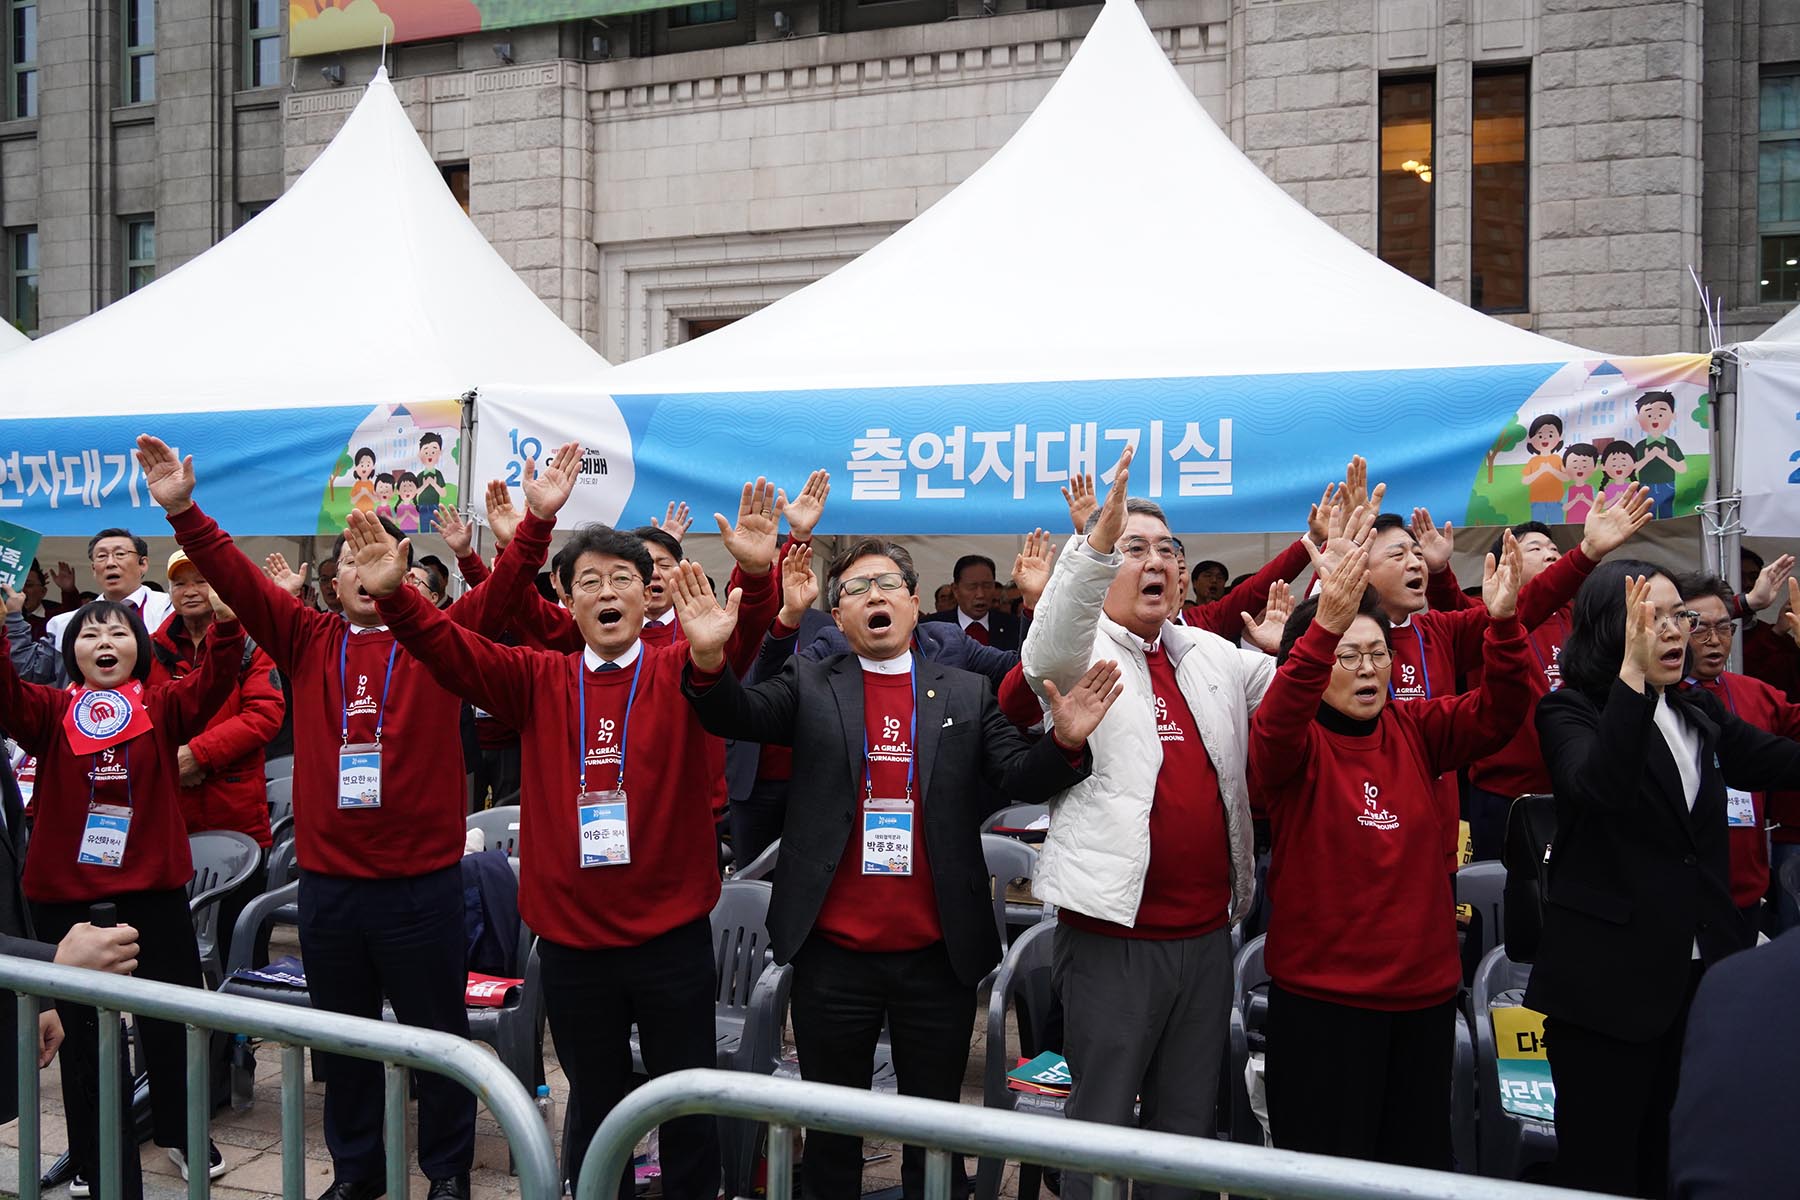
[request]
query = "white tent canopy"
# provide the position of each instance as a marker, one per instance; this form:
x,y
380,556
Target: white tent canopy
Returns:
x,y
364,283
11,339
1781,340
1118,234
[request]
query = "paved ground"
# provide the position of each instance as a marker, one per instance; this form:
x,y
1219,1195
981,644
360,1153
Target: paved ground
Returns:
x,y
251,1141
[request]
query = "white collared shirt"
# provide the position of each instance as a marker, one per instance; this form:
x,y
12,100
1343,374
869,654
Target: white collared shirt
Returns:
x,y
965,620
668,617
153,606
900,664
355,628
595,662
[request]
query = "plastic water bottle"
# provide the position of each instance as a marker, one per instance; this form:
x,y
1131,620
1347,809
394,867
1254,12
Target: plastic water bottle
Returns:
x,y
547,1108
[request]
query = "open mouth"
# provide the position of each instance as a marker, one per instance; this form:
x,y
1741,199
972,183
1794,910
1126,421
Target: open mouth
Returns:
x,y
106,661
1672,657
609,617
880,621
1415,583
1368,693
1154,589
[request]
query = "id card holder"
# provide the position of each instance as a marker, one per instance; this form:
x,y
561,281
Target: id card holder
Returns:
x,y
1740,809
887,841
103,838
605,836
359,775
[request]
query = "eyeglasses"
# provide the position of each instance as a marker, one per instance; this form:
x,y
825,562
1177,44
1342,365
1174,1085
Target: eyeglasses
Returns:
x,y
1351,660
1138,549
118,556
1686,619
887,581
1706,631
620,581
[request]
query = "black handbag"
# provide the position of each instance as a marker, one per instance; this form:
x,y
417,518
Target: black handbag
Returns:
x,y
1530,838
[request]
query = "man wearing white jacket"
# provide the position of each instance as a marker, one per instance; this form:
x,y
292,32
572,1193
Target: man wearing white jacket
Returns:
x,y
1149,859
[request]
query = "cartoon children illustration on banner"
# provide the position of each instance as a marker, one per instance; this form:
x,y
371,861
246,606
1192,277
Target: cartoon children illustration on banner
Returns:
x,y
393,466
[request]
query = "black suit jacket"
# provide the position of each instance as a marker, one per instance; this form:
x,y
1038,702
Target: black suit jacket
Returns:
x,y
743,758
1635,878
1005,631
1729,1132
16,936
967,753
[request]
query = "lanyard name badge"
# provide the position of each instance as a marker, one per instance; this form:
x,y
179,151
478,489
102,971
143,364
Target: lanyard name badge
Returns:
x,y
359,765
601,817
1740,806
887,840
108,826
1409,688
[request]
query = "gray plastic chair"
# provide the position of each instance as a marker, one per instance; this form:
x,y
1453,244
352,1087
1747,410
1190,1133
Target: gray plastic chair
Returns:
x,y
281,864
1510,1147
279,768
1009,860
500,826
1483,886
762,866
1023,983
1249,1014
1016,816
281,799
223,860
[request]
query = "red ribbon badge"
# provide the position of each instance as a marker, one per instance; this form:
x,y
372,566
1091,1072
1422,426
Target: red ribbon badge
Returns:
x,y
98,719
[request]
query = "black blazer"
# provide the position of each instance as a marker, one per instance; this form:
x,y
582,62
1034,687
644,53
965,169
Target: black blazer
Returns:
x,y
1728,1136
968,752
1005,631
1635,878
16,937
744,758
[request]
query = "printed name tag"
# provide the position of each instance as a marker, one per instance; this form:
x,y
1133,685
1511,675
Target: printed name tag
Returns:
x,y
605,836
359,776
103,839
1740,809
887,837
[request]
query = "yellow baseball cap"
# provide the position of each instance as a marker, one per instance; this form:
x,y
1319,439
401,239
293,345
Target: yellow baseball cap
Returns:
x,y
179,559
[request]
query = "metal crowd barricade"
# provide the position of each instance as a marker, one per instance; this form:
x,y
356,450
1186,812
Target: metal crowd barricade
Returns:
x,y
399,1047
1112,1155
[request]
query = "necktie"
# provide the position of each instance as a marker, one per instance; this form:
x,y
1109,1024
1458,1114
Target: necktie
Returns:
x,y
609,666
978,631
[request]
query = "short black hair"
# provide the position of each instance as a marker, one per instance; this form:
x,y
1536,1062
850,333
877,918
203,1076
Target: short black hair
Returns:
x,y
1753,556
1696,584
1307,609
603,539
1541,422
101,612
1387,521
1586,448
659,537
393,531
434,570
137,543
406,477
972,560
358,456
39,568
1618,446
870,548
1596,643
1205,565
1649,398
1519,531
431,437
386,477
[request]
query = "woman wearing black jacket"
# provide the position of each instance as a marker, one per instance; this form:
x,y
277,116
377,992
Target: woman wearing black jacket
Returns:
x,y
1639,900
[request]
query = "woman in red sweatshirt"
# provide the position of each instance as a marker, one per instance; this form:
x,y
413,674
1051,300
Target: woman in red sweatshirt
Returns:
x,y
108,826
1361,948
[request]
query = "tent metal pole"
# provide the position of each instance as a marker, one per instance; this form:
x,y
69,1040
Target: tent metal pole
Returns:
x,y
465,477
1719,514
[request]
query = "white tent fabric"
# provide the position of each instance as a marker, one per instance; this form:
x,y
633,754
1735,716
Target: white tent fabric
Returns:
x,y
365,283
11,339
1118,234
1781,340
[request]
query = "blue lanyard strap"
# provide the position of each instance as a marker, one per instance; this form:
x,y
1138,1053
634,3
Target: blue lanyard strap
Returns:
x,y
344,685
1725,690
1424,667
912,744
94,768
581,720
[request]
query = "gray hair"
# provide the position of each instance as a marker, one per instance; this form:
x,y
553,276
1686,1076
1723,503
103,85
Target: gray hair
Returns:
x,y
1133,504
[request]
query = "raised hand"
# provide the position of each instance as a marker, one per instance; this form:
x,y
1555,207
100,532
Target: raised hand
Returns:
x,y
1769,581
456,532
705,625
1081,499
64,578
1316,519
1347,529
1610,526
282,576
1111,526
170,479
804,510
1640,633
1435,545
1031,569
752,540
676,520
1355,492
799,586
380,560
15,600
1341,588
547,491
502,517
1073,717
1265,634
1501,579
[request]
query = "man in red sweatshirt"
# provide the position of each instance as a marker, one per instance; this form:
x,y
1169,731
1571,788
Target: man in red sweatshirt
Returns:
x,y
378,818
617,852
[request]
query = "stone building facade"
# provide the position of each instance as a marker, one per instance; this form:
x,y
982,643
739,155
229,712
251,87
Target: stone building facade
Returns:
x,y
658,173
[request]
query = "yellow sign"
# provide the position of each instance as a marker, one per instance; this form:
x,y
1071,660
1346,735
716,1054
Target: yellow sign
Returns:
x,y
1465,844
1518,1032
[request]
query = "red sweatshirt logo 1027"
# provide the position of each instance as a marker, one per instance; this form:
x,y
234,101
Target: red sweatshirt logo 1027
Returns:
x,y
1373,814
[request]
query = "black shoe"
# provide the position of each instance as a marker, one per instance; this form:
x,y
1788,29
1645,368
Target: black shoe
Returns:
x,y
347,1190
454,1187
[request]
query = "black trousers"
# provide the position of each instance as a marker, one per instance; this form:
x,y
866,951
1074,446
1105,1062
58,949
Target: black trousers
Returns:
x,y
362,939
1613,1100
166,952
756,820
840,1000
666,988
1396,1066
